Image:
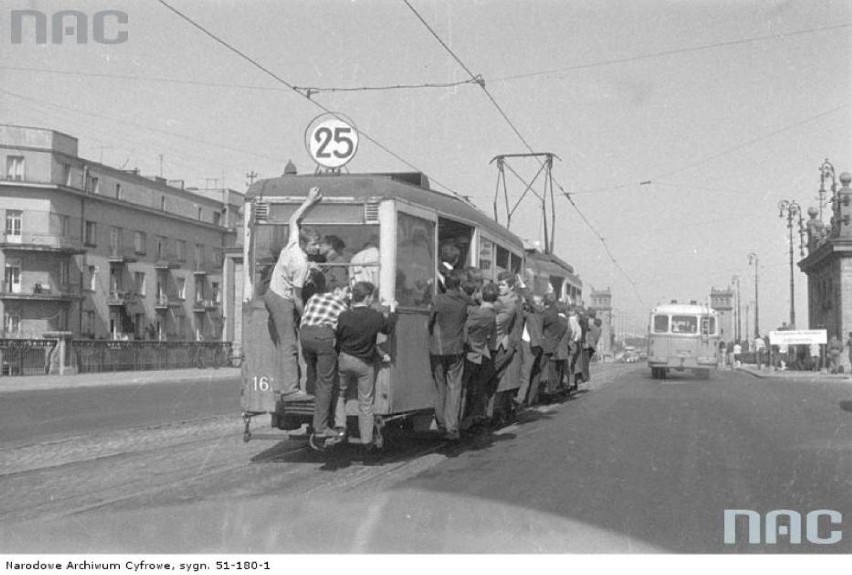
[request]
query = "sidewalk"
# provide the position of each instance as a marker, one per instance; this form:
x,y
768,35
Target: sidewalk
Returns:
x,y
9,384
795,375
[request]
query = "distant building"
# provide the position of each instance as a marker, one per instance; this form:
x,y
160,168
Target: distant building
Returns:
x,y
108,253
601,302
722,300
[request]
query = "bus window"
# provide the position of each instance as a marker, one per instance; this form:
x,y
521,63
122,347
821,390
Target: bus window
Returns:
x,y
684,324
415,261
661,324
708,325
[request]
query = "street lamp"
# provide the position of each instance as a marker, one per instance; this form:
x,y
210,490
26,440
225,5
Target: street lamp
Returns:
x,y
737,312
826,171
752,259
793,212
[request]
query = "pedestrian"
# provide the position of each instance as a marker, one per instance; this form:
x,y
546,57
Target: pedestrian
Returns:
x,y
849,344
316,334
531,351
446,352
336,274
814,353
283,298
835,349
738,350
553,330
730,354
356,333
480,330
575,343
759,350
581,368
723,354
365,264
593,334
507,358
449,259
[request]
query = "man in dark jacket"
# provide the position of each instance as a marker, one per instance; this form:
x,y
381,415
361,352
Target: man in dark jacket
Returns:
x,y
531,351
552,329
446,352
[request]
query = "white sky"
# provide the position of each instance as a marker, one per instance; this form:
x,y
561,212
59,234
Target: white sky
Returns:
x,y
725,106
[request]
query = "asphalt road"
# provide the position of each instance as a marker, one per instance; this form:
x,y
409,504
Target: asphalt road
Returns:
x,y
630,464
51,414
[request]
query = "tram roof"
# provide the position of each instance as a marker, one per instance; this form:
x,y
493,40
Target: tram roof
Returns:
x,y
683,308
553,265
412,187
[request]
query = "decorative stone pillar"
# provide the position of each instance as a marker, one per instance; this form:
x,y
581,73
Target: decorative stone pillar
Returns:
x,y
61,351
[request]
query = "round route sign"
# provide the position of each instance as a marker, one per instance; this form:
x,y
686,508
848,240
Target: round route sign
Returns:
x,y
331,140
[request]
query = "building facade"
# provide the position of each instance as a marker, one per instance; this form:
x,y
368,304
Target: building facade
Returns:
x,y
106,253
828,266
722,300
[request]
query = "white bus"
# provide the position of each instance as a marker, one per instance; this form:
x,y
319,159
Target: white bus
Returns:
x,y
681,337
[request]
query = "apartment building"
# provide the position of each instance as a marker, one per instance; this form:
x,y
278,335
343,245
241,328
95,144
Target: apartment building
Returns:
x,y
106,253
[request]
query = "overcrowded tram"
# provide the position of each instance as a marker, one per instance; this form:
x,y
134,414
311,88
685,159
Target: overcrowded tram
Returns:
x,y
401,224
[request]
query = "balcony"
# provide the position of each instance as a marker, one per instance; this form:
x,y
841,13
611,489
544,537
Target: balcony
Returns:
x,y
167,261
207,267
121,255
204,305
119,297
39,291
166,302
41,242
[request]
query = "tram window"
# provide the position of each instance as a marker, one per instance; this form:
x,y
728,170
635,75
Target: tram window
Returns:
x,y
458,235
684,324
415,261
341,242
502,260
516,264
661,323
486,257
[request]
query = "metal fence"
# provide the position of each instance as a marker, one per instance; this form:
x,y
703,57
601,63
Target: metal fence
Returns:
x,y
32,356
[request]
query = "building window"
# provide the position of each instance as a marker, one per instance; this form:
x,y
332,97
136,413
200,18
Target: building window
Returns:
x,y
13,324
115,240
162,247
217,257
12,276
118,191
63,273
66,174
88,327
215,294
181,250
92,273
15,168
14,225
92,185
181,288
62,320
199,290
199,255
140,241
217,218
116,285
139,281
200,213
65,226
163,203
91,234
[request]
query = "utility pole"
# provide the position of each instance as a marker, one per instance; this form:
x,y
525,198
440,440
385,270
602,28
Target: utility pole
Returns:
x,y
752,259
737,311
252,175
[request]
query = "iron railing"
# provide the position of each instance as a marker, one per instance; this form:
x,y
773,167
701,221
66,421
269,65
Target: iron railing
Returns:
x,y
32,356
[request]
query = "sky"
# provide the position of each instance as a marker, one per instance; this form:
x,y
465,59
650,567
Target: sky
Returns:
x,y
678,125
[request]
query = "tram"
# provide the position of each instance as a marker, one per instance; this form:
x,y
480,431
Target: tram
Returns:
x,y
408,222
547,273
683,337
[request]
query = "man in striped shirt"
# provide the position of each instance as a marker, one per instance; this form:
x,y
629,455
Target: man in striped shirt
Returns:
x,y
317,337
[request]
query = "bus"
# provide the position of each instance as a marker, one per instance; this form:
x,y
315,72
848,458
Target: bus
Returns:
x,y
404,223
683,337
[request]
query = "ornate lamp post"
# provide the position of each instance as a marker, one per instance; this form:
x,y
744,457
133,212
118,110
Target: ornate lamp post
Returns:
x,y
752,259
826,172
793,213
737,311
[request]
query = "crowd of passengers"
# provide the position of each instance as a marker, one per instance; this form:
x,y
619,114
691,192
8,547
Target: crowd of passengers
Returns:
x,y
494,346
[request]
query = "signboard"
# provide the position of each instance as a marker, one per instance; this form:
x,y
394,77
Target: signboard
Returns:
x,y
798,337
331,140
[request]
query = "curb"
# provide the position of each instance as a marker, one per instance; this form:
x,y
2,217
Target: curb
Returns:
x,y
115,379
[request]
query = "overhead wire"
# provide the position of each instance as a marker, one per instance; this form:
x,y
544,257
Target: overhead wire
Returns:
x,y
526,144
296,90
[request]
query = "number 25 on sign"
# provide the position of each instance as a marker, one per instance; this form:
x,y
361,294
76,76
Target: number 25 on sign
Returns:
x,y
331,140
